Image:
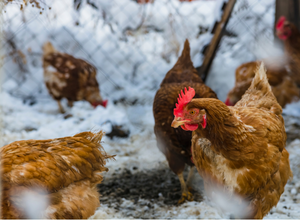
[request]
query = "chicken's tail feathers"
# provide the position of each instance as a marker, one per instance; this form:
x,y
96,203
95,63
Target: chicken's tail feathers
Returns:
x,y
185,57
261,78
260,94
186,50
48,48
96,138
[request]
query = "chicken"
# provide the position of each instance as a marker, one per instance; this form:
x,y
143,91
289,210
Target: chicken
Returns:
x,y
62,171
152,1
144,1
247,155
283,86
70,78
290,35
176,143
283,73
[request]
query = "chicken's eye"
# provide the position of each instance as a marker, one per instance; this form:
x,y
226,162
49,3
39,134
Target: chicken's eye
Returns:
x,y
192,112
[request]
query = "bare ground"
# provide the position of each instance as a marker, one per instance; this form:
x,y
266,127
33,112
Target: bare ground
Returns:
x,y
145,189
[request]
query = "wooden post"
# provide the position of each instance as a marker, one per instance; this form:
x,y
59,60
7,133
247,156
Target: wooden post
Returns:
x,y
217,31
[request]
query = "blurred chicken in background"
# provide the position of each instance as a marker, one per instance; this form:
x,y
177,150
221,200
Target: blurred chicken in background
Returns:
x,y
176,143
290,35
53,178
144,1
151,1
283,72
283,86
70,78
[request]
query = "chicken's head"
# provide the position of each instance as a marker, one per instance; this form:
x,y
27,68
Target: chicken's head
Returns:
x,y
188,118
283,28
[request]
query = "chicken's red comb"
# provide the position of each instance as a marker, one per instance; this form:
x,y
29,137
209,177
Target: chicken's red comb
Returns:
x,y
280,22
183,100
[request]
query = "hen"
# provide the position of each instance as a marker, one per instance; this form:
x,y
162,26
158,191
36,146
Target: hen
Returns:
x,y
290,35
283,86
176,143
247,153
70,78
63,171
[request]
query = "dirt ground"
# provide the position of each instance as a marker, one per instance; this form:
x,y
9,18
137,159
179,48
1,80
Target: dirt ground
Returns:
x,y
154,187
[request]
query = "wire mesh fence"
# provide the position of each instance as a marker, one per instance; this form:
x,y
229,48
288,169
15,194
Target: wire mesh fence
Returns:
x,y
249,36
131,43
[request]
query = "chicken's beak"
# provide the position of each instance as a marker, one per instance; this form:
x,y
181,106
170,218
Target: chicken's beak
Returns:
x,y
177,122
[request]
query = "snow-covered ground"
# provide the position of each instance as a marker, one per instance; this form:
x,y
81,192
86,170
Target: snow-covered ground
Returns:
x,y
134,63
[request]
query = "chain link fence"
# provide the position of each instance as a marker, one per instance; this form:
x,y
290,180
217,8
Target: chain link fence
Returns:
x,y
131,43
249,36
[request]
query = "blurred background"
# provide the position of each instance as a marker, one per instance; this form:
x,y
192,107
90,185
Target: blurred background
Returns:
x,y
131,44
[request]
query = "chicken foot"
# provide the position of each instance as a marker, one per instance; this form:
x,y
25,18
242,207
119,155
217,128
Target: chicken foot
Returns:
x,y
185,190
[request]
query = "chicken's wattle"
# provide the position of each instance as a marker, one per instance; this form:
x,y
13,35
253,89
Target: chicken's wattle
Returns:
x,y
189,127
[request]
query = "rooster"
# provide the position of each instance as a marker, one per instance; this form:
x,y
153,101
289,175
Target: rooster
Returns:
x,y
247,155
283,86
176,143
290,35
63,172
70,78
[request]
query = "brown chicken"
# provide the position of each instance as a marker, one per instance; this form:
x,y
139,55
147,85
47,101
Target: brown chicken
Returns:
x,y
283,86
70,78
151,1
247,153
283,73
290,35
144,1
62,171
176,143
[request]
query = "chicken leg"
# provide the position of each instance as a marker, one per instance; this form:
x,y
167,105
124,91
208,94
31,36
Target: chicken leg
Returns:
x,y
61,109
185,187
70,103
190,178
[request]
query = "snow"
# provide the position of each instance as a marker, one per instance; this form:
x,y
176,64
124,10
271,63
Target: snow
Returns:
x,y
131,64
33,203
292,109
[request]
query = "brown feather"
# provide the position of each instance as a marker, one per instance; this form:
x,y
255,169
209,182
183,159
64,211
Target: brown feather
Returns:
x,y
176,143
283,86
68,77
247,152
292,49
67,169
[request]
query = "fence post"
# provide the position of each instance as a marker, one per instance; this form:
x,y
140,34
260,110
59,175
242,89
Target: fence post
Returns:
x,y
217,31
